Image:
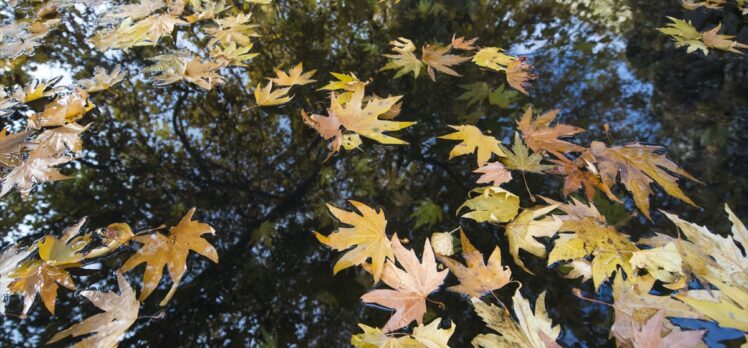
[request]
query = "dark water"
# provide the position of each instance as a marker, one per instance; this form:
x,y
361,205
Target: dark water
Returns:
x,y
154,152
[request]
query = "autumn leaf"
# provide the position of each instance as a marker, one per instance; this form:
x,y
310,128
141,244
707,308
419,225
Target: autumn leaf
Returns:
x,y
376,338
367,233
540,136
59,139
159,250
575,178
473,140
328,127
662,263
108,328
443,243
576,210
478,277
495,173
410,285
295,76
438,58
490,204
35,90
232,55
523,230
633,307
10,146
710,4
64,109
233,29
684,34
36,276
712,39
611,249
112,236
174,68
364,120
461,43
519,158
9,260
205,10
134,11
639,166
266,96
532,329
345,82
493,58
728,306
39,167
427,214
431,336
403,60
650,336
64,251
518,75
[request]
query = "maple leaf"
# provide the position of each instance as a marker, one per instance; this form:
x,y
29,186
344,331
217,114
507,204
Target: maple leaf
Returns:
x,y
519,158
633,307
478,277
232,55
576,210
532,329
461,43
62,138
712,39
710,255
62,110
518,74
43,276
205,9
410,285
108,328
431,336
473,140
10,146
364,120
650,335
540,136
376,338
176,67
39,167
427,214
295,76
684,34
438,58
328,127
728,306
344,82
662,263
523,230
639,166
9,260
113,236
710,4
610,249
491,204
103,80
493,58
475,92
502,97
159,250
134,11
403,60
266,96
367,233
233,29
576,178
493,172
35,90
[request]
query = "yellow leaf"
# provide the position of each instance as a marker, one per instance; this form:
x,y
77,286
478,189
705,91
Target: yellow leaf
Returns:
x,y
266,96
295,76
532,330
36,276
108,328
376,338
523,230
364,120
66,250
728,306
431,336
367,233
171,251
437,58
473,140
492,204
403,60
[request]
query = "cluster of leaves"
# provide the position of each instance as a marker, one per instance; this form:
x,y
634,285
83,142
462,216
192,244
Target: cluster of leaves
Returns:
x,y
52,134
685,34
20,38
438,58
44,266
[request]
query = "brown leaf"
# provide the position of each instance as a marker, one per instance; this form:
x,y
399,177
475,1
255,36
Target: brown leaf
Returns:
x,y
437,58
493,172
518,74
410,285
540,136
478,277
650,335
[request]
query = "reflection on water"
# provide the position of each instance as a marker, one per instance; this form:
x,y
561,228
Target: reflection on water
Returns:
x,y
258,175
